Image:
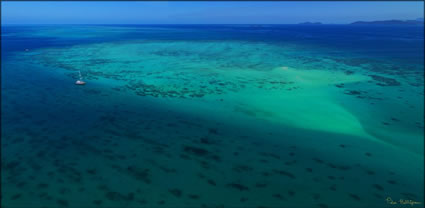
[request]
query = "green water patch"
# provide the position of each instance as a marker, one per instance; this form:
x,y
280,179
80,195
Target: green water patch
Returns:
x,y
280,83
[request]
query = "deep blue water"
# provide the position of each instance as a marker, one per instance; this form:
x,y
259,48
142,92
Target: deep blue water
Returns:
x,y
400,42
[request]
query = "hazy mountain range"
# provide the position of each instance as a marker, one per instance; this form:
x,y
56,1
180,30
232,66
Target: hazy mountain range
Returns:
x,y
418,21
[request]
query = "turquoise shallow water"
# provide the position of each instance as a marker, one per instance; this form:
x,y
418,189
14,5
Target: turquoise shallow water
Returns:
x,y
212,116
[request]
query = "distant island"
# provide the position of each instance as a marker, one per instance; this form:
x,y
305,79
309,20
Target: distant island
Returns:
x,y
310,23
418,21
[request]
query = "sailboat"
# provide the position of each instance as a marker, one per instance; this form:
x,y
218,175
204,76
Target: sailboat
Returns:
x,y
80,81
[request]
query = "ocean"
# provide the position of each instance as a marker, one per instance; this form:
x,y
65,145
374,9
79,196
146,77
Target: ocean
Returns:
x,y
212,115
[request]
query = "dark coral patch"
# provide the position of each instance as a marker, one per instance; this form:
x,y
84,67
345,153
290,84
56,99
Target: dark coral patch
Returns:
x,y
318,160
354,196
238,186
385,81
176,192
207,141
285,173
379,187
369,172
278,196
211,182
91,171
271,155
193,196
291,193
339,85
323,205
213,131
62,202
139,174
195,150
115,196
97,202
352,92
242,168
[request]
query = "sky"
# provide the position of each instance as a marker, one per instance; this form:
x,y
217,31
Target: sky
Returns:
x,y
203,12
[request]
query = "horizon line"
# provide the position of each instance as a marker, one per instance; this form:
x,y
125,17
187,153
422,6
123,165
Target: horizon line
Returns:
x,y
351,23
300,23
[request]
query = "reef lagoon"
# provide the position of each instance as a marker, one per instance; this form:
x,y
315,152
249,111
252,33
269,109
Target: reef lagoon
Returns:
x,y
212,115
